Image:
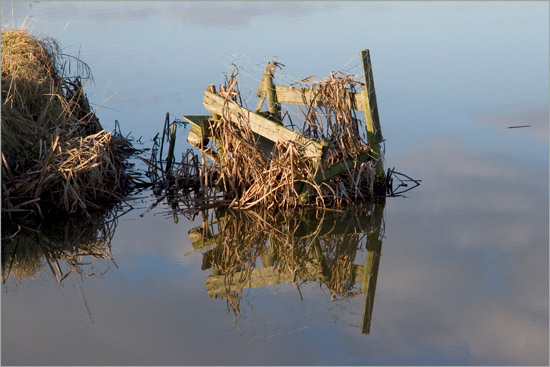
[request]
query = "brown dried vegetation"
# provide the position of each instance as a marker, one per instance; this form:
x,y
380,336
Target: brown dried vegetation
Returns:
x,y
234,168
56,157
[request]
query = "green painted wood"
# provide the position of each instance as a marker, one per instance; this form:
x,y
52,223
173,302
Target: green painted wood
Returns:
x,y
310,97
198,134
265,144
259,124
196,119
334,170
272,104
370,106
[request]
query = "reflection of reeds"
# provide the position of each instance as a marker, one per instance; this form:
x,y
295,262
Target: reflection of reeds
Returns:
x,y
63,248
252,249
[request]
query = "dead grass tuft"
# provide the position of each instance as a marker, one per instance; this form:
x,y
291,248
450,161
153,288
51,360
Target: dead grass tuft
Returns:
x,y
55,154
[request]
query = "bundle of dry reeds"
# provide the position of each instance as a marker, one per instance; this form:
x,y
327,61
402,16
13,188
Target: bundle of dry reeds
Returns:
x,y
55,154
335,119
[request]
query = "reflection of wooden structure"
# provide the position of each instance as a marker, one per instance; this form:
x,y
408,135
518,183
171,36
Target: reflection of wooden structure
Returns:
x,y
268,129
325,240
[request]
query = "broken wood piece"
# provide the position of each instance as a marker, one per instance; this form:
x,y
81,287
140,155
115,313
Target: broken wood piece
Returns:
x,y
200,130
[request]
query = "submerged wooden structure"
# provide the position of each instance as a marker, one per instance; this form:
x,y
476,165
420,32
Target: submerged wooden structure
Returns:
x,y
269,130
246,250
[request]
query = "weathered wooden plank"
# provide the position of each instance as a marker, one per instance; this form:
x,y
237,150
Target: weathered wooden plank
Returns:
x,y
194,137
198,134
370,106
197,120
260,125
310,97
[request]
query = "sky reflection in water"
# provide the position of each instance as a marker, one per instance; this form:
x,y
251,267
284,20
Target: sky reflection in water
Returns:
x,y
463,276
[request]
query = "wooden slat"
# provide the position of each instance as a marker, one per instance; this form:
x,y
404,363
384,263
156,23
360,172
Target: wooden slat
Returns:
x,y
309,97
258,124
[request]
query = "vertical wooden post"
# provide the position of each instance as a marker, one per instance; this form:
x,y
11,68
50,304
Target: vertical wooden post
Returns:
x,y
370,275
374,132
267,88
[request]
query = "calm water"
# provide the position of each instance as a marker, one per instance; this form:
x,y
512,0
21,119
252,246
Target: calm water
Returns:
x,y
462,277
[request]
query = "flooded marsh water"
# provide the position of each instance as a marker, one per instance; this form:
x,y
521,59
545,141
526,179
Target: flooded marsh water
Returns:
x,y
453,273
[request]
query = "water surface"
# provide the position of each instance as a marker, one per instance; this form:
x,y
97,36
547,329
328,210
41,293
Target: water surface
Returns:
x,y
463,267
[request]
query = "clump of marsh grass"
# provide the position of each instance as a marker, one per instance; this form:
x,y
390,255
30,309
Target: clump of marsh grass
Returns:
x,y
55,154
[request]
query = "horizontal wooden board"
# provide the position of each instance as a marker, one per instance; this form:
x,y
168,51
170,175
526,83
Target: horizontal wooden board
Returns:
x,y
310,97
259,124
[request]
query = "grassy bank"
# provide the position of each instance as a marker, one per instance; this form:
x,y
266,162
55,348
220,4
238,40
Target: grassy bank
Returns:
x,y
56,157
